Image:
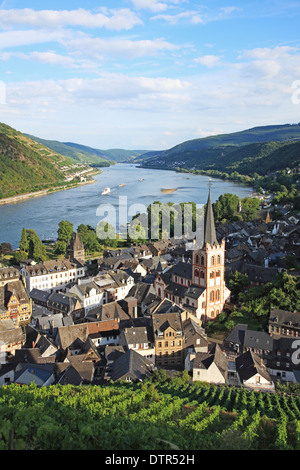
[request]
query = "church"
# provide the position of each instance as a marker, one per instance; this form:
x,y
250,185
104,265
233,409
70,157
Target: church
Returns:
x,y
199,286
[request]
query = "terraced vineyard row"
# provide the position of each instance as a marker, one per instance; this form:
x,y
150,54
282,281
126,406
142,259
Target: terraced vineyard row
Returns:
x,y
147,417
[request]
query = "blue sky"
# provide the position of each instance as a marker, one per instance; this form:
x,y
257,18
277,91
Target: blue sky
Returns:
x,y
147,74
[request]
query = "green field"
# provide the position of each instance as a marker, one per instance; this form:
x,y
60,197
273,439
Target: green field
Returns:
x,y
169,415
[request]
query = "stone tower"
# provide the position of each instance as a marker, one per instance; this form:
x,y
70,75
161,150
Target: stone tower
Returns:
x,y
208,267
75,250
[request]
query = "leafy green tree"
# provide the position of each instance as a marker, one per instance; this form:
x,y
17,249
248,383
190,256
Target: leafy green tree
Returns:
x,y
60,247
237,283
250,208
36,249
24,243
65,231
226,207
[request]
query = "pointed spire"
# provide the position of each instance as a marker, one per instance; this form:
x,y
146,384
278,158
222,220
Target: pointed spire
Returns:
x,y
209,224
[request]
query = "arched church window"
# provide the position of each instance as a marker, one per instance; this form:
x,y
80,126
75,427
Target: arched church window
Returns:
x,y
218,294
219,259
202,274
196,273
218,273
212,261
197,259
212,296
202,260
212,275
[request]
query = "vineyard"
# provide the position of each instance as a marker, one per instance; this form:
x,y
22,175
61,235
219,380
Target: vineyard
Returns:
x,y
147,416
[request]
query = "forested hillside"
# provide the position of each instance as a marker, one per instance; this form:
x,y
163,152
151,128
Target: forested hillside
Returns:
x,y
26,166
258,158
258,150
87,154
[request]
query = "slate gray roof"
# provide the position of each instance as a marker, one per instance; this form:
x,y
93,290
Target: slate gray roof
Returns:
x,y
215,355
182,269
285,318
194,292
258,340
209,224
131,364
75,374
249,364
135,335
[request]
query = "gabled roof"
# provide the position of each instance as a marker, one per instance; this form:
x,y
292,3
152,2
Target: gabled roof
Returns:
x,y
249,364
133,364
75,374
216,356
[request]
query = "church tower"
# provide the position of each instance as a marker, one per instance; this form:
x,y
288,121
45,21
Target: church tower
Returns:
x,y
208,268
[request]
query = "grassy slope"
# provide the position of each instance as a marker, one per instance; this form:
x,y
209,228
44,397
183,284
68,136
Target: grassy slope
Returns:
x,y
26,166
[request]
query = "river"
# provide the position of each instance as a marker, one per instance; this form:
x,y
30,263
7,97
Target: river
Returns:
x,y
79,205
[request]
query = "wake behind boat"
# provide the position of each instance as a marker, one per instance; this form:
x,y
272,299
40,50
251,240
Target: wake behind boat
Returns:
x,y
105,191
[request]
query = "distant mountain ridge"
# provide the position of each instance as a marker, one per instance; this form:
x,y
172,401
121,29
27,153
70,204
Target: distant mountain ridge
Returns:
x,y
90,155
260,149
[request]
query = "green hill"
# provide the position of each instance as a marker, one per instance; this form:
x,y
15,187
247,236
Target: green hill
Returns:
x,y
258,150
89,155
27,166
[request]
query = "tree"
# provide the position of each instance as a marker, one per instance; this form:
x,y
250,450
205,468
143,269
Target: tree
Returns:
x,y
36,249
106,234
24,243
65,231
60,247
226,207
31,246
237,283
250,208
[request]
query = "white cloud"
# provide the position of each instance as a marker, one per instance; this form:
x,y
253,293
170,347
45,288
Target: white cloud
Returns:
x,y
153,5
54,19
99,48
192,15
29,37
208,60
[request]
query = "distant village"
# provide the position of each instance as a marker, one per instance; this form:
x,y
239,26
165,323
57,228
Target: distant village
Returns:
x,y
141,308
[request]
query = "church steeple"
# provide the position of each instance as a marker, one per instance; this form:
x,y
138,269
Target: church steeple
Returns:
x,y
209,224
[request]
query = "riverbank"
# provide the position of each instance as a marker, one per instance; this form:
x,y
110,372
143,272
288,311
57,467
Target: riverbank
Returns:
x,y
44,192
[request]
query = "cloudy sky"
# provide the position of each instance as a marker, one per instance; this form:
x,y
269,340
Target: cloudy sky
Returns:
x,y
147,74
